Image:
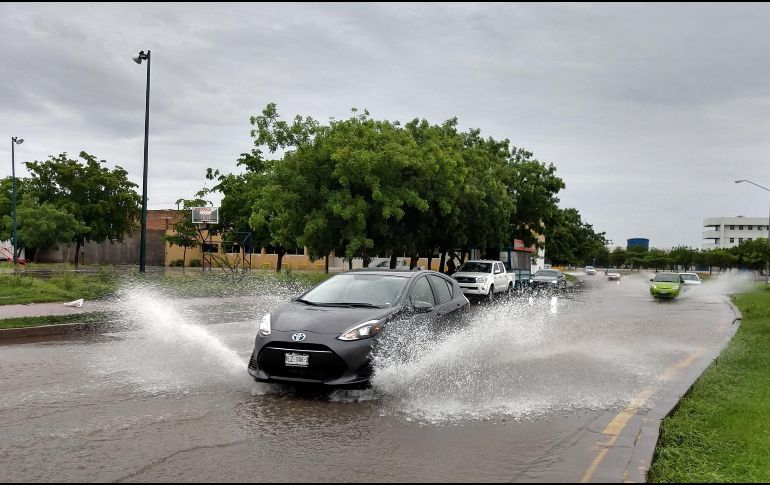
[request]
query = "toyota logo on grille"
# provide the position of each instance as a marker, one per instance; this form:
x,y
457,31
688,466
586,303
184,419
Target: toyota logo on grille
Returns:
x,y
298,337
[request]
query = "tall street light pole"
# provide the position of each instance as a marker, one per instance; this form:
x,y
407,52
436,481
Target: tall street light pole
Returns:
x,y
767,272
143,245
14,141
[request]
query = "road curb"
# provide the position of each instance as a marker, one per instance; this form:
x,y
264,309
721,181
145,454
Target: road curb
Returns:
x,y
50,330
647,439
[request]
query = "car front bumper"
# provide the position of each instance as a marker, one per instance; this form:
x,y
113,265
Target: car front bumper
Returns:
x,y
474,289
332,362
664,293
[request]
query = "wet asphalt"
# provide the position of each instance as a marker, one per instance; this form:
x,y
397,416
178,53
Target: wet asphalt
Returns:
x,y
523,391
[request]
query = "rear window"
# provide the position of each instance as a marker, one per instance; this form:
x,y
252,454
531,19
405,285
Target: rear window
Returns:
x,y
441,288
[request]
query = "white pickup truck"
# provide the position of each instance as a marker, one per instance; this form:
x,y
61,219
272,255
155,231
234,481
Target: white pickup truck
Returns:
x,y
484,277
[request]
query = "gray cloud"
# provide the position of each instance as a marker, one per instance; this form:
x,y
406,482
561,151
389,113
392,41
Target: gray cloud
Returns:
x,y
649,111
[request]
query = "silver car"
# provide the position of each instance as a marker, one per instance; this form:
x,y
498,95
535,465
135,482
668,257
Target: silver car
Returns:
x,y
549,279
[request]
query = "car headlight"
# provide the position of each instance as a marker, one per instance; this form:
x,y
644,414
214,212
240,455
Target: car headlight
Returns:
x,y
674,287
362,331
264,326
481,280
653,286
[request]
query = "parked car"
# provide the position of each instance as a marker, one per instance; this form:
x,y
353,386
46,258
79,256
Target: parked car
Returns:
x,y
690,279
549,278
484,278
325,335
590,270
612,274
666,285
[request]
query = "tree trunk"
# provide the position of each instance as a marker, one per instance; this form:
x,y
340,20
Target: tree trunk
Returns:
x,y
393,260
37,251
350,264
184,258
441,262
430,260
326,264
280,261
77,252
366,259
413,261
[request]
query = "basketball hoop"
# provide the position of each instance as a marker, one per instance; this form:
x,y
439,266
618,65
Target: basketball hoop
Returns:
x,y
205,215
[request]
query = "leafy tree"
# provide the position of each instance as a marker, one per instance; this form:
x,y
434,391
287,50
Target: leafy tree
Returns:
x,y
103,200
657,259
618,257
569,240
6,206
533,187
43,226
683,256
186,234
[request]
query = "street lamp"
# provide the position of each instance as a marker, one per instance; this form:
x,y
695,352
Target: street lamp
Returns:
x,y
14,141
767,274
143,245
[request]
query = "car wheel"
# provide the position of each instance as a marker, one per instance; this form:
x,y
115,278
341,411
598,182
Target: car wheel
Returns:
x,y
510,289
491,294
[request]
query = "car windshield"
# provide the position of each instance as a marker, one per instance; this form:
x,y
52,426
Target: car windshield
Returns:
x,y
589,267
551,273
667,278
357,289
475,267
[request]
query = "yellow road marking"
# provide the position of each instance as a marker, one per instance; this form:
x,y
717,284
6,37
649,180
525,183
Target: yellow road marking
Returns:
x,y
619,422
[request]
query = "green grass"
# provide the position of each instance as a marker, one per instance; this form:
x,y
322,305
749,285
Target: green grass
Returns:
x,y
56,320
66,286
721,430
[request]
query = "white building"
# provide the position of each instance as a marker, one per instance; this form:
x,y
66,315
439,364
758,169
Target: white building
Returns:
x,y
728,232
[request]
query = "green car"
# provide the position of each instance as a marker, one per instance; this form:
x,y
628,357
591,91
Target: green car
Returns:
x,y
666,285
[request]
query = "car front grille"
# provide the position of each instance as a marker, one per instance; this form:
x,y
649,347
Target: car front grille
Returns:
x,y
465,279
324,364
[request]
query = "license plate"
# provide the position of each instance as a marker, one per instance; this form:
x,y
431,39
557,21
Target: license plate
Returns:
x,y
297,360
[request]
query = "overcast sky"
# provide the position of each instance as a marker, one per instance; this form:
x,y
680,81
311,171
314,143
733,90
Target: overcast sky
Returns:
x,y
648,112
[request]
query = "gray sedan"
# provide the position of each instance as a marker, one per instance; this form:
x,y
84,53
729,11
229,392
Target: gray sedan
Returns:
x,y
325,335
549,279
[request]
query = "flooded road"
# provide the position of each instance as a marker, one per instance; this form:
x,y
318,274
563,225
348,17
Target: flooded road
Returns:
x,y
520,392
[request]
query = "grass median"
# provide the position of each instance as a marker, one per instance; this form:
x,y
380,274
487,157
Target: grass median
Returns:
x,y
66,286
720,431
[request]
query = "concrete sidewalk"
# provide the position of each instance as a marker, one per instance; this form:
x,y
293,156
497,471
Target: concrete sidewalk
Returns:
x,y
49,309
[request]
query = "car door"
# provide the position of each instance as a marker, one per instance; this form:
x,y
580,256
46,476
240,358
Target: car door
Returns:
x,y
500,283
442,289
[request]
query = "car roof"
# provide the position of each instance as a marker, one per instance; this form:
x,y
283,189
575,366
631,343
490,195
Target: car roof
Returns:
x,y
482,261
395,272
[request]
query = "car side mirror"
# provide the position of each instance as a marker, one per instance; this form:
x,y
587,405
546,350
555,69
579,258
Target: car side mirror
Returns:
x,y
650,279
422,307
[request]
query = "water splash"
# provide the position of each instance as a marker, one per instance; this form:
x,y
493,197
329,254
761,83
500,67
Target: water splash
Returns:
x,y
167,348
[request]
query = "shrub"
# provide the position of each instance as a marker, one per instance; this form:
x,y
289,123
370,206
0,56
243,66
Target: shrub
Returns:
x,y
177,263
195,263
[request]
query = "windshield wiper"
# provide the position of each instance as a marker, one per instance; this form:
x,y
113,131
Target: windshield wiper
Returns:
x,y
306,302
354,305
